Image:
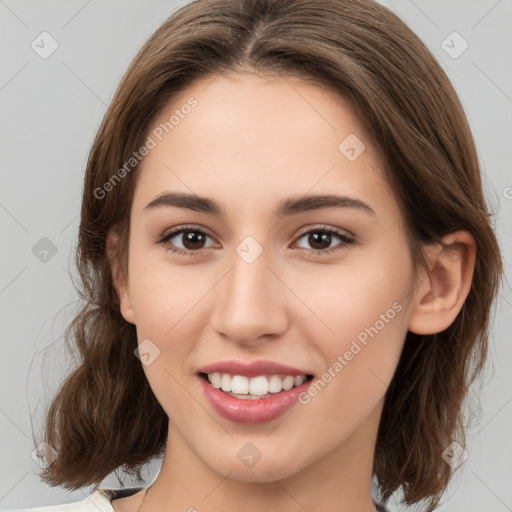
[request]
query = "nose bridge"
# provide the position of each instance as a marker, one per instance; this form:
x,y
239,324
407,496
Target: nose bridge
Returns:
x,y
248,299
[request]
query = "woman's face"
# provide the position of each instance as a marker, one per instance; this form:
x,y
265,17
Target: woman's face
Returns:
x,y
272,275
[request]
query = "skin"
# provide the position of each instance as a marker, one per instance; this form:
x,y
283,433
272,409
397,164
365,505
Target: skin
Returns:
x,y
250,142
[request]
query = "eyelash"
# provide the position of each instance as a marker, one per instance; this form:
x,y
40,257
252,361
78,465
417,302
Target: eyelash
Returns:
x,y
345,240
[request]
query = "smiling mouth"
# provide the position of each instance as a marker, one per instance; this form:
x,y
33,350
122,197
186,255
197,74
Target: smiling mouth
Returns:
x,y
254,388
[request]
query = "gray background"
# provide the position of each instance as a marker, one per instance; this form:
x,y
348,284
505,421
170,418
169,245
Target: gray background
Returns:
x,y
50,111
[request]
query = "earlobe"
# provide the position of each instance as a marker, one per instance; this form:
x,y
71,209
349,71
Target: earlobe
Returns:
x,y
126,307
120,281
440,295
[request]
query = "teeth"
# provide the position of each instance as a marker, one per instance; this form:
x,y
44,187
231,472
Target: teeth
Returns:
x,y
239,384
288,382
225,382
275,384
215,379
256,386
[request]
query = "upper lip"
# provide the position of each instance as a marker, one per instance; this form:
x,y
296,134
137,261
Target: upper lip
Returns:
x,y
251,368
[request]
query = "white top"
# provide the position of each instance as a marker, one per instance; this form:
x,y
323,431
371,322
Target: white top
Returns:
x,y
100,500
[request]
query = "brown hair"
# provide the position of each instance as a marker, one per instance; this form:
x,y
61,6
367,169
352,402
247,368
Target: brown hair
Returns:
x,y
105,415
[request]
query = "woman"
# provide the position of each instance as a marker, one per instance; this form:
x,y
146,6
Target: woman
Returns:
x,y
288,268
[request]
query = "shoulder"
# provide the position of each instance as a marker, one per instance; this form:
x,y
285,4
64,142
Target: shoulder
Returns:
x,y
98,501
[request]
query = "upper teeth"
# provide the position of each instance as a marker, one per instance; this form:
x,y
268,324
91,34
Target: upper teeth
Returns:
x,y
260,385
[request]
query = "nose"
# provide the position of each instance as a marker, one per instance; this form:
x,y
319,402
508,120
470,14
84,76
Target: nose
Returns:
x,y
250,303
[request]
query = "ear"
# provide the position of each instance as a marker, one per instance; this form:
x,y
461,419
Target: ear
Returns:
x,y
119,277
440,296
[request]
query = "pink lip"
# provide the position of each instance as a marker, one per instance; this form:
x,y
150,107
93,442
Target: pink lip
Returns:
x,y
252,369
252,411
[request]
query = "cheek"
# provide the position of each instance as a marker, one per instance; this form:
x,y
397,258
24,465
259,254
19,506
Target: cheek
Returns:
x,y
161,292
353,299
359,359
164,303
363,323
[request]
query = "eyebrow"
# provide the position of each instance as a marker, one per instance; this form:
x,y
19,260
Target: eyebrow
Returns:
x,y
285,207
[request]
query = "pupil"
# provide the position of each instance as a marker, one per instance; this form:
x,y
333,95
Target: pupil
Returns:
x,y
194,238
319,238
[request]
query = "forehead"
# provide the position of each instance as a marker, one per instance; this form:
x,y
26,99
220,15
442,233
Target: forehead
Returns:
x,y
250,138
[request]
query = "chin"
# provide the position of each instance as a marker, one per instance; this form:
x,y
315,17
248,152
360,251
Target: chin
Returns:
x,y
268,465
261,472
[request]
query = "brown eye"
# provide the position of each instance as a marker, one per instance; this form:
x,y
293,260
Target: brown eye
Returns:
x,y
191,240
320,240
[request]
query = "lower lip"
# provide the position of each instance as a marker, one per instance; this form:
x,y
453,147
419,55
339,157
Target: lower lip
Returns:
x,y
252,411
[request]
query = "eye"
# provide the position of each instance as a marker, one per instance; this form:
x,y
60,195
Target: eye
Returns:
x,y
191,239
321,238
